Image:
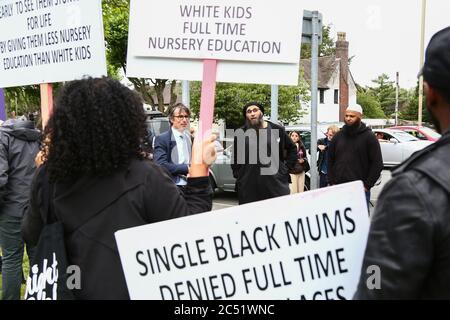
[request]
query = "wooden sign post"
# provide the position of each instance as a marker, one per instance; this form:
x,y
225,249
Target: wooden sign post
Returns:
x,y
46,102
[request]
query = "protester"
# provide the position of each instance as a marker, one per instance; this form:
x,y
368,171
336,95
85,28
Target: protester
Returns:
x,y
322,161
102,184
19,144
298,172
354,153
409,239
173,147
263,154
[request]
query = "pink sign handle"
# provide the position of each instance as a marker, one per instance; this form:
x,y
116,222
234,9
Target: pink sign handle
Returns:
x,y
46,102
207,97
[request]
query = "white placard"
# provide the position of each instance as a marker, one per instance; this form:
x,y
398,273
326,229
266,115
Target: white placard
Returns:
x,y
243,30
44,41
284,25
227,71
304,246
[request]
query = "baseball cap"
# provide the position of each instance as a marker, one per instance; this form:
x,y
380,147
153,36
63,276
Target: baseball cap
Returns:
x,y
436,69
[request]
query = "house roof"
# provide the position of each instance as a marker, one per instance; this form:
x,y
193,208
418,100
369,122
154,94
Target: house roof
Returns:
x,y
327,66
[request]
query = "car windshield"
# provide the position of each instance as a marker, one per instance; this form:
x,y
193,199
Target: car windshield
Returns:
x,y
305,134
404,137
431,133
158,126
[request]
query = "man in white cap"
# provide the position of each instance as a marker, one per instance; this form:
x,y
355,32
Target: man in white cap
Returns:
x,y
355,153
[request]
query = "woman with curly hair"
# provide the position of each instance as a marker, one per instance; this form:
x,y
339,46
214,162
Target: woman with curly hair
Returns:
x,y
101,183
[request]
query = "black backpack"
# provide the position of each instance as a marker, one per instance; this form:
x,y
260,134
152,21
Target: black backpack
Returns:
x,y
48,270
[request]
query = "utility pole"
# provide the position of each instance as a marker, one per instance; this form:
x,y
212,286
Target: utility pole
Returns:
x,y
422,52
312,33
397,88
314,183
185,96
274,103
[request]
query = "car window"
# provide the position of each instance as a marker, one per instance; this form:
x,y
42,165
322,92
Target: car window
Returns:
x,y
305,134
381,137
158,126
387,136
404,136
416,134
306,138
431,133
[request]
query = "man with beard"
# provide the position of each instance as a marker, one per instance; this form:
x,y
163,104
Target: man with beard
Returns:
x,y
263,154
409,238
355,153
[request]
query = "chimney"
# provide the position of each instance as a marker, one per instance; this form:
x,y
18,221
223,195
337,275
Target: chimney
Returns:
x,y
342,54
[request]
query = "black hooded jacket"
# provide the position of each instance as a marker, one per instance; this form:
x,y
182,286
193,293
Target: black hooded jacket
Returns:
x,y
354,154
252,182
19,145
92,209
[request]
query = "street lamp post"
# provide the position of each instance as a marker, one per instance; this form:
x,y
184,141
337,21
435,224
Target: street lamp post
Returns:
x,y
422,49
396,97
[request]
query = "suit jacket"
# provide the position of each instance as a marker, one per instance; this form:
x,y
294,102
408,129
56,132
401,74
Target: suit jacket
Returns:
x,y
166,155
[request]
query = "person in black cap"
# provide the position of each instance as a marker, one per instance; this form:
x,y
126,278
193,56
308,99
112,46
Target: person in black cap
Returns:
x,y
409,239
263,154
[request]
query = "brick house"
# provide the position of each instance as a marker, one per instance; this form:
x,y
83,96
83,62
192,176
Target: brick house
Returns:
x,y
336,86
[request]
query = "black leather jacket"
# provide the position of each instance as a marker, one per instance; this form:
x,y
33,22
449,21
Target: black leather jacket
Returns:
x,y
409,237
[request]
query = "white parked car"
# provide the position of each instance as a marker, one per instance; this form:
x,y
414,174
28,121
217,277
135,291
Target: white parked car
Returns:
x,y
397,146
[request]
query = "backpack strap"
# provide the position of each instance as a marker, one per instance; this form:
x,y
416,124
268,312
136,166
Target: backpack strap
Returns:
x,y
47,196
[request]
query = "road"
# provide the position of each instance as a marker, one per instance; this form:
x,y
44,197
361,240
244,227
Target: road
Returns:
x,y
229,199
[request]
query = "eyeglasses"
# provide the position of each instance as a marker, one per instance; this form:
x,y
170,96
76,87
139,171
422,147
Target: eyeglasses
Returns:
x,y
182,117
250,111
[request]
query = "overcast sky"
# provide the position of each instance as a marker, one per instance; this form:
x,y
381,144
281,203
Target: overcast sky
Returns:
x,y
384,35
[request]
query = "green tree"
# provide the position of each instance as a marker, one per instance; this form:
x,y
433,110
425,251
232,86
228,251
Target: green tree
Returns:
x,y
411,111
384,90
230,98
326,48
115,21
22,100
370,104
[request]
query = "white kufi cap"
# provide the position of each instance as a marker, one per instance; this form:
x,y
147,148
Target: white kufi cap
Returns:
x,y
355,108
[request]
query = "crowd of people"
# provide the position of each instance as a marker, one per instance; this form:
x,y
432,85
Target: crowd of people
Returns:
x,y
87,170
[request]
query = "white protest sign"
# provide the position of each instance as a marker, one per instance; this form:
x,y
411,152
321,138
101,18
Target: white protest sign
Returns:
x,y
255,41
304,246
44,41
227,71
245,30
